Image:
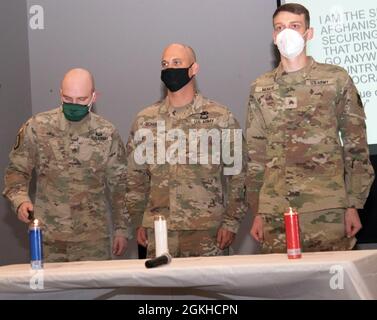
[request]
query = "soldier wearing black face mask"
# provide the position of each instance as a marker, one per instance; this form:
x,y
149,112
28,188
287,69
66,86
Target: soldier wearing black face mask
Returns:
x,y
202,219
176,78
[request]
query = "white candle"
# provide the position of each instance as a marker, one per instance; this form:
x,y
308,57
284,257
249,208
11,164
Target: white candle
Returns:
x,y
161,235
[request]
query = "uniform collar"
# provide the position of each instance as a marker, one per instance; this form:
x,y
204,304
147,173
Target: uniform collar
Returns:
x,y
196,106
294,77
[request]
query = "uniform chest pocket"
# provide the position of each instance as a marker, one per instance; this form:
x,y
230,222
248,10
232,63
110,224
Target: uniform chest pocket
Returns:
x,y
270,100
317,106
321,92
271,105
93,152
204,144
51,148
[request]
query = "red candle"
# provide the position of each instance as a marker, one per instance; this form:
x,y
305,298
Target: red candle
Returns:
x,y
292,234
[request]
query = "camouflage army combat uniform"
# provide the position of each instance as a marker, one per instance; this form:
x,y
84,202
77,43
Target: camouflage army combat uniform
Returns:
x,y
297,158
192,197
74,161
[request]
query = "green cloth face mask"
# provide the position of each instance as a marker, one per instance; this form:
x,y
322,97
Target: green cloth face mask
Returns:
x,y
75,112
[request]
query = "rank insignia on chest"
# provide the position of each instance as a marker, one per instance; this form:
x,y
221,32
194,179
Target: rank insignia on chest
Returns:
x,y
290,103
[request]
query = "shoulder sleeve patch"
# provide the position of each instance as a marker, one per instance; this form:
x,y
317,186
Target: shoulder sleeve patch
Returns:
x,y
19,138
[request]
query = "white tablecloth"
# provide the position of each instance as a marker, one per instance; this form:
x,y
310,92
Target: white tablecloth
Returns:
x,y
322,275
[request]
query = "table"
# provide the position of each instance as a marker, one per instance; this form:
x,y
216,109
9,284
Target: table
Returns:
x,y
320,275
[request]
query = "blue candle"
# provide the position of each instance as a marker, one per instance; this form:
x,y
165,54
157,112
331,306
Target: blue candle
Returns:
x,y
36,249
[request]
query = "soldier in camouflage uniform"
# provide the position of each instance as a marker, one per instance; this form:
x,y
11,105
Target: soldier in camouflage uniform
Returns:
x,y
75,154
307,145
202,205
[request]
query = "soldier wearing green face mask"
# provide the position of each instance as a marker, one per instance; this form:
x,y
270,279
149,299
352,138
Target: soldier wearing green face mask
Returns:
x,y
75,154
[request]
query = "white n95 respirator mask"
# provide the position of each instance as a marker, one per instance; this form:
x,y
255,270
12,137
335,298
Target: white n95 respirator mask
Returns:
x,y
290,43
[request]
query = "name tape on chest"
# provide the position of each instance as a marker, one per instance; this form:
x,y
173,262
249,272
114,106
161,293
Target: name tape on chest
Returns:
x,y
267,88
319,82
203,121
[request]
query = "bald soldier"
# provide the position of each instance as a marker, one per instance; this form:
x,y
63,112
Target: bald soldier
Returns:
x,y
200,194
75,154
307,145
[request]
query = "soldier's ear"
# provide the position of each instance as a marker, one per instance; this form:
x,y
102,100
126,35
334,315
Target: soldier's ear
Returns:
x,y
309,34
194,69
94,96
61,95
274,35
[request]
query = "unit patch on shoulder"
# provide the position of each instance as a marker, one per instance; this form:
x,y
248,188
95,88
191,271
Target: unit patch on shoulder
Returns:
x,y
19,138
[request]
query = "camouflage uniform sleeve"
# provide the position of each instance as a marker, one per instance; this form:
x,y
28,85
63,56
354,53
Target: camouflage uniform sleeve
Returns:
x,y
138,183
256,152
359,174
22,161
235,180
116,175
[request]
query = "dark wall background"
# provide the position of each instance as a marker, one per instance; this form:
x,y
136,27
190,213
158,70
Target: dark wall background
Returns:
x,y
368,216
15,108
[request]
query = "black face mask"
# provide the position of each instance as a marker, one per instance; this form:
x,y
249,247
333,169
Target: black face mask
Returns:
x,y
175,78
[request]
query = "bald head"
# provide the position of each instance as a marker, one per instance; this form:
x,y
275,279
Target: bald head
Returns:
x,y
179,52
77,86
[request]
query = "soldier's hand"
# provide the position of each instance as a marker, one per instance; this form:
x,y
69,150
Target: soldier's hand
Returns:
x,y
23,211
141,236
257,228
224,238
119,245
352,222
